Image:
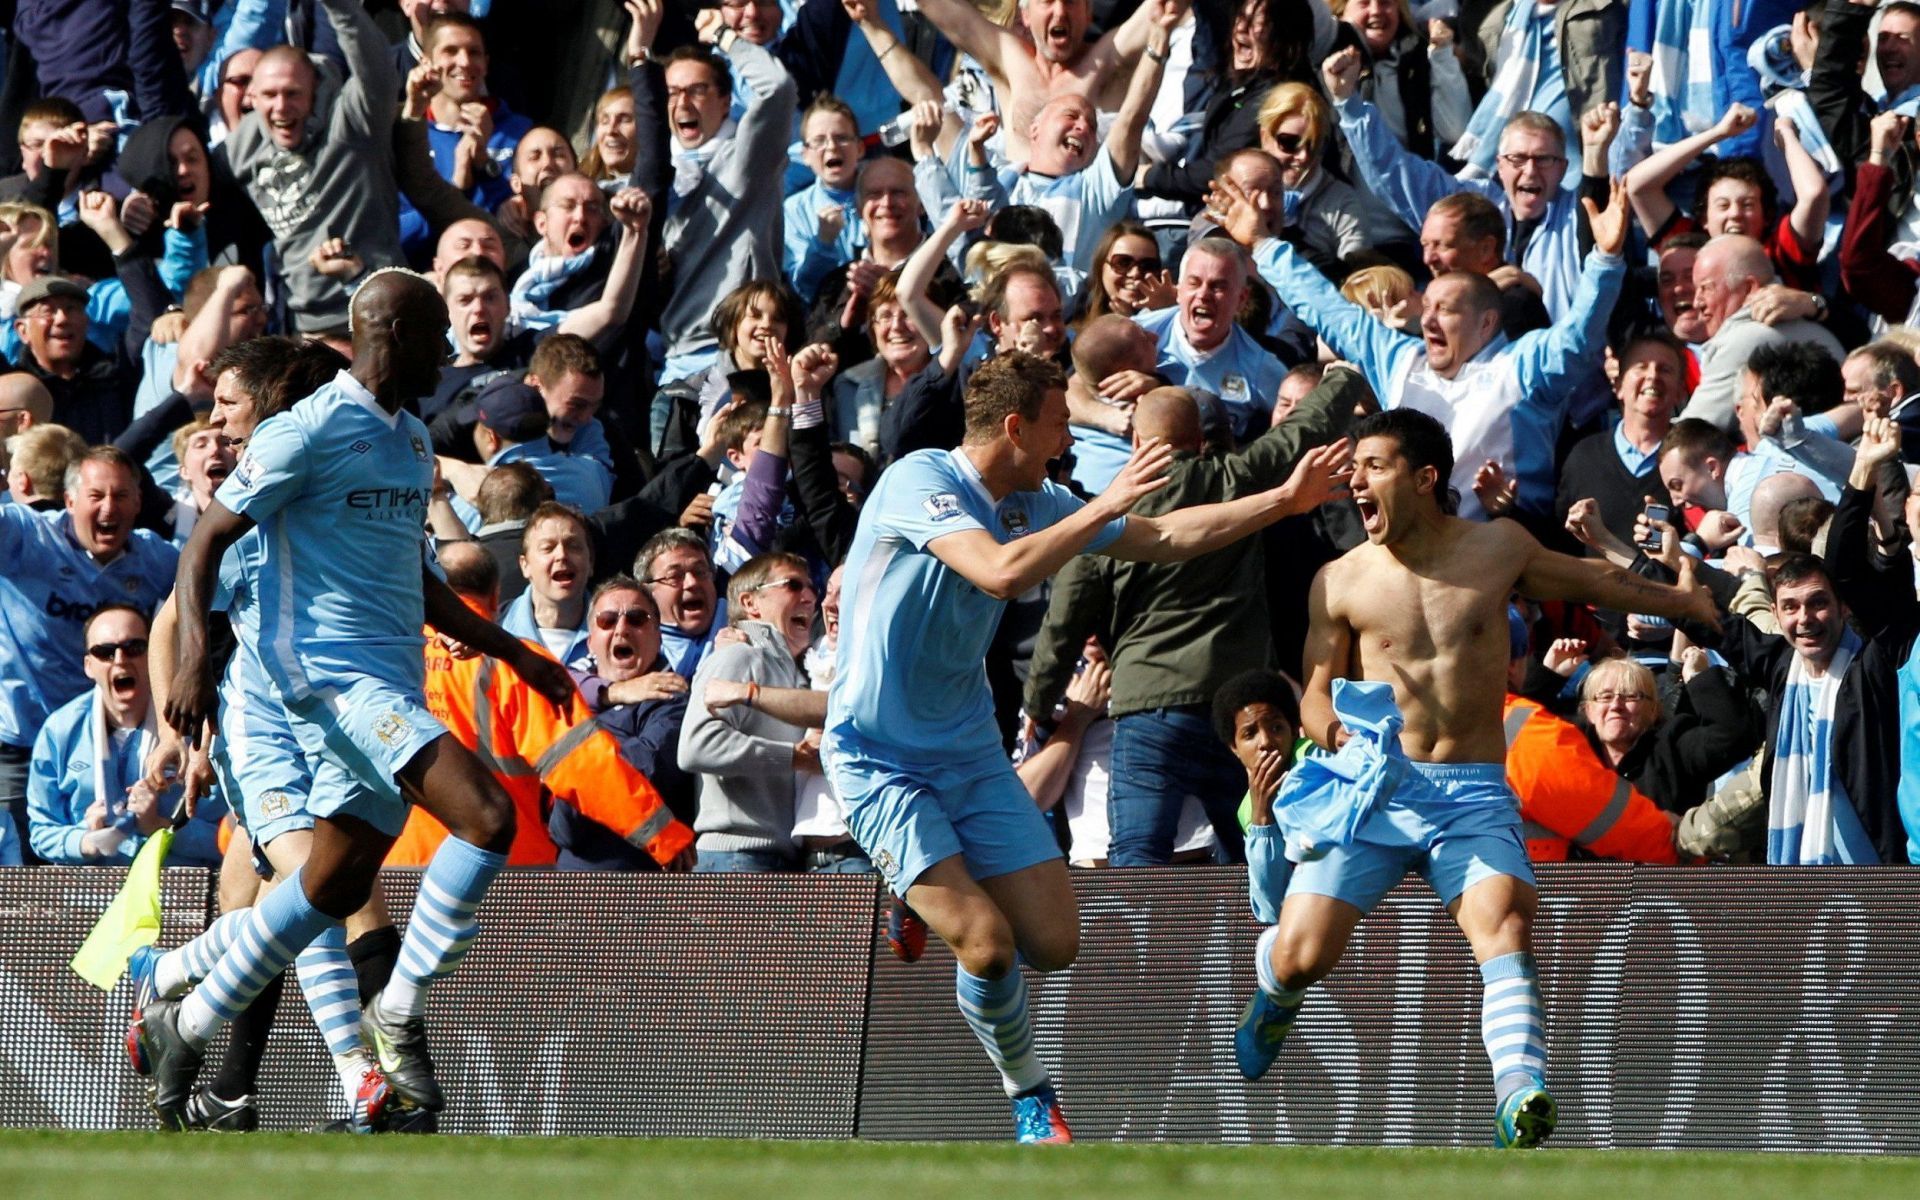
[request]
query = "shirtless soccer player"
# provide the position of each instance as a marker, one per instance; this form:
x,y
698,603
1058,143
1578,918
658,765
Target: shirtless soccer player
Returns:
x,y
947,538
1422,605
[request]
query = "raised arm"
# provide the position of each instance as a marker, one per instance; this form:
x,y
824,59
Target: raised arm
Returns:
x,y
917,275
974,34
1123,139
1190,532
908,75
1135,34
1811,199
372,91
608,315
1647,182
1008,571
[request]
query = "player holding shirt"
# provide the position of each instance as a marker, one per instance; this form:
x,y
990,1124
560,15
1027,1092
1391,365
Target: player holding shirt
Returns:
x,y
946,539
338,487
1421,606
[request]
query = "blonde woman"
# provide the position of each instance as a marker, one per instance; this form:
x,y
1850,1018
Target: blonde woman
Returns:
x,y
1672,758
1297,129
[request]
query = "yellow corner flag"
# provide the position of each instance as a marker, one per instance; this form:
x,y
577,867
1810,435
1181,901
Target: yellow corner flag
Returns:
x,y
131,921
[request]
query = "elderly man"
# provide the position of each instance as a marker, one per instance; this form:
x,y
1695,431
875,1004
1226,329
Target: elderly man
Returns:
x,y
1202,346
675,567
1502,402
748,760
62,567
639,701
1543,215
1726,274
24,403
92,390
1618,468
87,804
1880,377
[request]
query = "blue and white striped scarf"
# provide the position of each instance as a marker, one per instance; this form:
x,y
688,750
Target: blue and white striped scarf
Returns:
x,y
1682,80
1810,821
1522,58
531,305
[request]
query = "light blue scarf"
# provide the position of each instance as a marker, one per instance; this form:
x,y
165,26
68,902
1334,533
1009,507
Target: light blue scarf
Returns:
x,y
531,305
1683,63
1522,60
1810,821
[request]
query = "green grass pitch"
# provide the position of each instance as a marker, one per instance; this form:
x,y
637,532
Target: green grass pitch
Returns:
x,y
124,1166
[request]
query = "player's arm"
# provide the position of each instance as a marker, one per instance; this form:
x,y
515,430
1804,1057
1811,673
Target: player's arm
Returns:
x,y
805,707
189,707
449,614
973,33
1008,571
1547,575
1324,657
1189,532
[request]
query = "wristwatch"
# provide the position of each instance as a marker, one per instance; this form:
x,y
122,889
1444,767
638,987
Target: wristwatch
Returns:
x,y
1820,310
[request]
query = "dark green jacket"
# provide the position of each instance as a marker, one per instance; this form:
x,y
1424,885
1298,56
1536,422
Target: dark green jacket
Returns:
x,y
1177,631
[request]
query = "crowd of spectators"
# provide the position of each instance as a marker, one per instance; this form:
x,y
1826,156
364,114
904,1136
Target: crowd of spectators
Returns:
x,y
1653,263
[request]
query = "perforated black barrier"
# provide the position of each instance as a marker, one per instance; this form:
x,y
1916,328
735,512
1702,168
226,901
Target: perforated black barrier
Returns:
x,y
1747,1009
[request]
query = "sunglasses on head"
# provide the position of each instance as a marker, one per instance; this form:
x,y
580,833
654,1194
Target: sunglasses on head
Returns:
x,y
1127,264
135,647
636,616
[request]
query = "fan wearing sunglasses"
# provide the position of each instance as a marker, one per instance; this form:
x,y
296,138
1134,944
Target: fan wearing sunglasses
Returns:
x,y
86,802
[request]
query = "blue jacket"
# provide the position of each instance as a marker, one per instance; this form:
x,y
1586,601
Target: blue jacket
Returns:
x,y
48,590
1410,185
60,789
1507,404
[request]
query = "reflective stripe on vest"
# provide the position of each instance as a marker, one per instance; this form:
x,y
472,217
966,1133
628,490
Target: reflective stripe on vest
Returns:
x,y
1609,816
567,744
1517,720
651,828
512,767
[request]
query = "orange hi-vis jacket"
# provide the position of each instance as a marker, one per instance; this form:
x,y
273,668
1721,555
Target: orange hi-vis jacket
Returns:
x,y
1567,795
536,750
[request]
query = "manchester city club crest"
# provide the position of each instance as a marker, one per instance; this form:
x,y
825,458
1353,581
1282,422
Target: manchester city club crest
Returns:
x,y
1014,521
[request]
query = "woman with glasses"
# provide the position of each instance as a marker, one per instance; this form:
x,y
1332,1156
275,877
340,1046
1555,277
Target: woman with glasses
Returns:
x,y
1671,757
1128,276
860,394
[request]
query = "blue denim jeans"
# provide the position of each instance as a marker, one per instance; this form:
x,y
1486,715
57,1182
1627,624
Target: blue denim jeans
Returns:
x,y
1160,758
743,861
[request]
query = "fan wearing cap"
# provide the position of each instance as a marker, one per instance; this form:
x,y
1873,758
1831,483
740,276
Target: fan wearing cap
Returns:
x,y
92,391
86,802
512,427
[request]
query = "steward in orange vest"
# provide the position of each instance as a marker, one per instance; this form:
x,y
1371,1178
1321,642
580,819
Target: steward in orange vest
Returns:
x,y
1568,796
538,753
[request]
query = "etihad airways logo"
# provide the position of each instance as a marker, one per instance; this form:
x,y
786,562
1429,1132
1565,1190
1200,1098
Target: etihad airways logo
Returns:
x,y
387,498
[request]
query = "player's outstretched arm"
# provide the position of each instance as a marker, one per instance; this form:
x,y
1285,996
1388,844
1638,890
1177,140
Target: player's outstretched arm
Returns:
x,y
1187,533
805,707
189,709
1008,571
1325,656
1551,576
449,614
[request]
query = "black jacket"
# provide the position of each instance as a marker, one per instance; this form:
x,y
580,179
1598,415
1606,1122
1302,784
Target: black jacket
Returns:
x,y
1843,106
1710,732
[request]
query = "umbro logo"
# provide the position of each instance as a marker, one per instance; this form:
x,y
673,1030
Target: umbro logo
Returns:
x,y
361,447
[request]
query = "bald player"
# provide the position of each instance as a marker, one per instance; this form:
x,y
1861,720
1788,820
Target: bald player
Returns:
x,y
339,486
1182,629
24,403
1112,368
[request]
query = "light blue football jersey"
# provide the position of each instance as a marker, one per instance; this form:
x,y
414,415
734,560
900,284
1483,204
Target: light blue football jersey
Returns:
x,y
339,488
910,680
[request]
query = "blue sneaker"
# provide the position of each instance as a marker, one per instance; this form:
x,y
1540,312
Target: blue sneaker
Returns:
x,y
1257,1039
1037,1119
1526,1118
906,932
140,973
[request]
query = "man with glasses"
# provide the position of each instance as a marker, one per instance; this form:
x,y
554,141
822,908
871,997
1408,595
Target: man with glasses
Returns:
x,y
823,220
723,204
675,566
61,568
1543,217
87,804
92,391
749,758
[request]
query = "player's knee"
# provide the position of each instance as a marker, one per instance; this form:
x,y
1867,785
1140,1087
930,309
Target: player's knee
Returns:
x,y
343,891
490,825
1299,963
984,948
